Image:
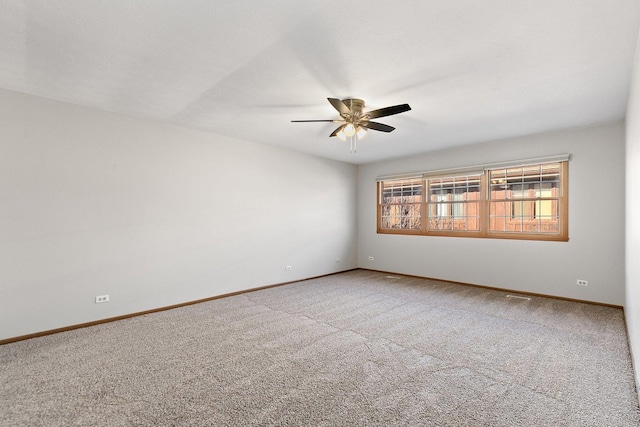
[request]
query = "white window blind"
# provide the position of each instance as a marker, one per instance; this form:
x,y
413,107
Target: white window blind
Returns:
x,y
475,170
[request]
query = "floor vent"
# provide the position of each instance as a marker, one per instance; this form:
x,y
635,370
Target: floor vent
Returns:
x,y
519,297
394,277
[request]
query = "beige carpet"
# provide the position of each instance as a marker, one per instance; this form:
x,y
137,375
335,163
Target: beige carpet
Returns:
x,y
353,349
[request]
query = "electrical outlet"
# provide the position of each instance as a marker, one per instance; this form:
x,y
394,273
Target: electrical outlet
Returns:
x,y
102,298
582,282
370,258
288,268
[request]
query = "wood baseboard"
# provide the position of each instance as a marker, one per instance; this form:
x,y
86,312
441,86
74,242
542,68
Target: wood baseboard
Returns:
x,y
155,310
533,294
184,304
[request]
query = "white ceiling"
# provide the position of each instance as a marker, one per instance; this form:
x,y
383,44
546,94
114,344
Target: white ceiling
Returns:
x,y
471,70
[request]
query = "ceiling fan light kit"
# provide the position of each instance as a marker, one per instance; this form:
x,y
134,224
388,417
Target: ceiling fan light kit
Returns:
x,y
355,123
349,129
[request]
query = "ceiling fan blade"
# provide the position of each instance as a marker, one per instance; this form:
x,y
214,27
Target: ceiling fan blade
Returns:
x,y
376,126
335,132
310,121
339,105
388,111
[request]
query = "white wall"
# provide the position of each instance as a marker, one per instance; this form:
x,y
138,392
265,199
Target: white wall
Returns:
x,y
595,251
95,203
632,302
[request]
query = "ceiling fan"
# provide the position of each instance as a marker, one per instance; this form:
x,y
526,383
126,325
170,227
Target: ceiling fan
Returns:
x,y
355,122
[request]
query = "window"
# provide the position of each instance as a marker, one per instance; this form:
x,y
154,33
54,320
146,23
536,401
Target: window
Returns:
x,y
401,205
454,204
524,201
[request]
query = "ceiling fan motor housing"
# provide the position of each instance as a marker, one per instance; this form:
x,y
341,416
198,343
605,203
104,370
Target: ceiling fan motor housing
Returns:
x,y
355,105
